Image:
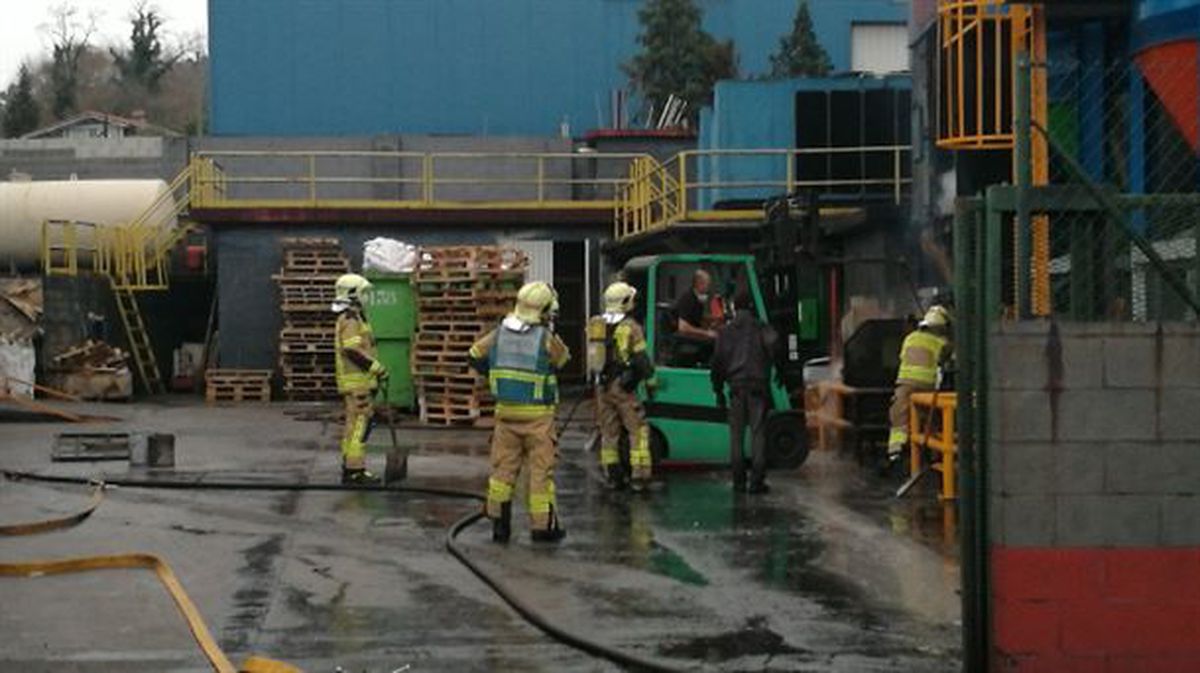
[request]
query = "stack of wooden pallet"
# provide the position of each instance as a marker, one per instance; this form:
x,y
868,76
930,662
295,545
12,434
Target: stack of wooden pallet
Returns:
x,y
462,292
238,385
311,266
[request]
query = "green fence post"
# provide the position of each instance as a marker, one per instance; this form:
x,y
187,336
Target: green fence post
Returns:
x,y
1023,158
968,224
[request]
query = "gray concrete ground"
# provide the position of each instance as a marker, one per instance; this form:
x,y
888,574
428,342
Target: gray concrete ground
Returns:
x,y
823,574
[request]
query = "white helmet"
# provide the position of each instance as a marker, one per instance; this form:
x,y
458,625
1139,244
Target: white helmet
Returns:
x,y
619,297
936,316
534,301
349,289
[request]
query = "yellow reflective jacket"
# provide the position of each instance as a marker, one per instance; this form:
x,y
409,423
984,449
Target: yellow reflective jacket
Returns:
x,y
354,354
920,356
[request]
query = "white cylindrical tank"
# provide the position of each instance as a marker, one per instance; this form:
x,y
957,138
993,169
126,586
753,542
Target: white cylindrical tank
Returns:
x,y
25,205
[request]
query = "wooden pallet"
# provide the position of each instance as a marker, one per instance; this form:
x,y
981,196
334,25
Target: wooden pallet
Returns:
x,y
311,395
425,369
293,347
308,294
440,387
306,279
338,266
310,335
292,372
293,366
308,320
434,324
473,256
426,362
433,280
291,242
470,376
439,337
238,385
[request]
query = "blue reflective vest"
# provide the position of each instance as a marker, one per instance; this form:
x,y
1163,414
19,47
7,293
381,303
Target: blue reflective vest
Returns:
x,y
519,370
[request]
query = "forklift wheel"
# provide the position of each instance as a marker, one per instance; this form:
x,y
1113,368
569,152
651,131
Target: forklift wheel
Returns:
x,y
787,440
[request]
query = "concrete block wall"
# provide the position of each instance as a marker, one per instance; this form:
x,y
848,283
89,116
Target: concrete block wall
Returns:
x,y
94,158
1094,465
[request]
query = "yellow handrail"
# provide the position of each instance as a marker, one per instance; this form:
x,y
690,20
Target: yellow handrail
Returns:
x,y
391,179
659,195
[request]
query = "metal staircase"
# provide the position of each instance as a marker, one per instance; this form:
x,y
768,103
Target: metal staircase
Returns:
x,y
133,256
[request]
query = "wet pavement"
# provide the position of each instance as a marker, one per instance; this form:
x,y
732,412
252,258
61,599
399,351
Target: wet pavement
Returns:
x,y
825,573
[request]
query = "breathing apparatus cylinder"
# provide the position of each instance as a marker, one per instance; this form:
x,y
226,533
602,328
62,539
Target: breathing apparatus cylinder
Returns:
x,y
597,344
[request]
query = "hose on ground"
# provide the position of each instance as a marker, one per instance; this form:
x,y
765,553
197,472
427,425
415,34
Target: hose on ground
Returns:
x,y
507,594
531,615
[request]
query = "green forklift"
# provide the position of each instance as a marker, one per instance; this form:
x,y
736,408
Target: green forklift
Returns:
x,y
686,426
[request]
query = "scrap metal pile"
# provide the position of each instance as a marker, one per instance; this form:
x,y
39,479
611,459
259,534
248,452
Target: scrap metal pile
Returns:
x,y
92,370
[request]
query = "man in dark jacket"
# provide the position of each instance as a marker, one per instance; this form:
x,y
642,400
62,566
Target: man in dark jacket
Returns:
x,y
742,357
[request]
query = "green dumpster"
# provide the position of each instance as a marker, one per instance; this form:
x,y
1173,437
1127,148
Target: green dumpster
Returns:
x,y
393,316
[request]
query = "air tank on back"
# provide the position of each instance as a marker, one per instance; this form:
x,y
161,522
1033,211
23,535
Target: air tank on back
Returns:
x,y
24,205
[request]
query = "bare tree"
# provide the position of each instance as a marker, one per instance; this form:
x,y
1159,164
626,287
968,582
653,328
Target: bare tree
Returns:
x,y
69,33
145,61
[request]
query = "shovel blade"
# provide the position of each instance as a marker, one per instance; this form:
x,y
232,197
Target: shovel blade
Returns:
x,y
396,469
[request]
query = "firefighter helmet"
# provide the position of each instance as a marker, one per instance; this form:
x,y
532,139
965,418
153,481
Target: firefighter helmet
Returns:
x,y
534,301
619,297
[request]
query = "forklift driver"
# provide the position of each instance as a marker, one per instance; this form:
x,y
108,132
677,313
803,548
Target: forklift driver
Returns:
x,y
693,343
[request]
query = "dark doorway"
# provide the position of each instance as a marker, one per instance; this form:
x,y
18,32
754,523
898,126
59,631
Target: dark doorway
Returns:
x,y
571,285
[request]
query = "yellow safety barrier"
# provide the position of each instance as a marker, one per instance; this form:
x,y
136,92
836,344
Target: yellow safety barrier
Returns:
x,y
195,622
659,195
931,425
381,179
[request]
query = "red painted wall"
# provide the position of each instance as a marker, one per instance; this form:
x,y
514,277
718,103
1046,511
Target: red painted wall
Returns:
x,y
1096,610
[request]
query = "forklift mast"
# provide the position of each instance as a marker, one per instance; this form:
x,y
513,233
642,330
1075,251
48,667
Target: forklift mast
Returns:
x,y
794,281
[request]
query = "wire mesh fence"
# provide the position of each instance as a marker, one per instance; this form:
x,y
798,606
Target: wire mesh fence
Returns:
x,y
1114,205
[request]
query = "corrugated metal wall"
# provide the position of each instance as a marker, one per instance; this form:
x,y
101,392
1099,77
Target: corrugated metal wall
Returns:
x,y
541,259
502,67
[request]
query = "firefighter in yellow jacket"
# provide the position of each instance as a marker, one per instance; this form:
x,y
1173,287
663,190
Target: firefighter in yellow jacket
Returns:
x,y
924,350
520,358
623,365
358,373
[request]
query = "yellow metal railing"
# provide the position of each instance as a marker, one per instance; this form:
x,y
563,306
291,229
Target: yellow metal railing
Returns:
x,y
402,179
690,185
979,41
62,243
132,255
939,438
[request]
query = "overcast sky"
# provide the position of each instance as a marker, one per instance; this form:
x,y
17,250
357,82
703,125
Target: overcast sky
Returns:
x,y
22,22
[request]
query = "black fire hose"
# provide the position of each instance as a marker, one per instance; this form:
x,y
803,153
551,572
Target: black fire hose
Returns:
x,y
508,595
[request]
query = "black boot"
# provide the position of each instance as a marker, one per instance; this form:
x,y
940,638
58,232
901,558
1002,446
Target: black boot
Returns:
x,y
552,533
359,477
615,478
502,527
758,486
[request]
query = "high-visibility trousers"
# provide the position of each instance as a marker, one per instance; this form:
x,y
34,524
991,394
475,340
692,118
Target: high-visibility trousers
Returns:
x,y
358,417
898,416
534,444
619,411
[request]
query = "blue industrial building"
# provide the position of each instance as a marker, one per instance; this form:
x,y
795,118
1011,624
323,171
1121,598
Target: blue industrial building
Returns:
x,y
475,67
813,115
